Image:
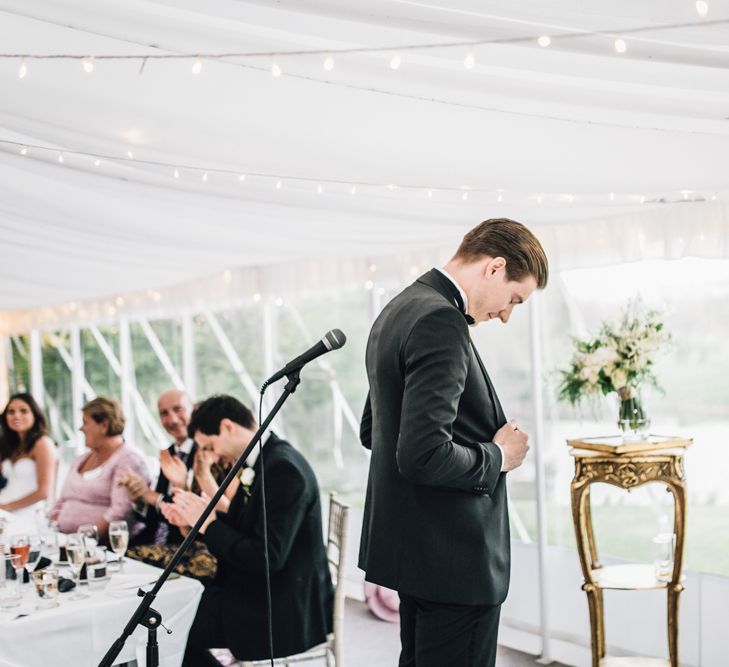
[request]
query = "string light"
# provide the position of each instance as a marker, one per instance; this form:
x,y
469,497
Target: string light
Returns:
x,y
276,70
328,63
197,66
500,197
620,45
278,185
396,61
97,162
130,155
470,60
369,284
642,199
539,199
177,173
24,150
319,189
464,196
60,158
702,8
256,297
544,41
354,190
430,194
242,178
23,69
373,268
87,64
612,196
205,177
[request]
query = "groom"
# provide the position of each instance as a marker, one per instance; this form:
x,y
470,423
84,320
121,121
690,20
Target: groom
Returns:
x,y
436,526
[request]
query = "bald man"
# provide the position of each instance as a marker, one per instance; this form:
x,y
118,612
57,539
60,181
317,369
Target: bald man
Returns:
x,y
174,408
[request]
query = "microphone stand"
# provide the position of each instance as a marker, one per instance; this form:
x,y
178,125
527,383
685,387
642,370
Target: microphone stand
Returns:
x,y
144,614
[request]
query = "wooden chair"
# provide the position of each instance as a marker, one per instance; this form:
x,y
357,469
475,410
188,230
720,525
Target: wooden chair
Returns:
x,y
331,650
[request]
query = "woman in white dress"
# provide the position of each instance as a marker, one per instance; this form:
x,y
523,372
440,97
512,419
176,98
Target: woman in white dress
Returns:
x,y
27,456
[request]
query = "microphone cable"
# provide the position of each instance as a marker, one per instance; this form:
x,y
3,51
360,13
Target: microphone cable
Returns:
x,y
269,614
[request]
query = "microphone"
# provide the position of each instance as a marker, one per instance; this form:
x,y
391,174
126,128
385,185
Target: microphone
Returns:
x,y
332,340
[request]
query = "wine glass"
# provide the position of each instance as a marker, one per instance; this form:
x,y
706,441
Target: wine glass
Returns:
x,y
34,553
90,534
20,546
76,552
119,540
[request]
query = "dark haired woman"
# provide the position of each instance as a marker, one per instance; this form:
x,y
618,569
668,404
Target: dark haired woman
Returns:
x,y
27,456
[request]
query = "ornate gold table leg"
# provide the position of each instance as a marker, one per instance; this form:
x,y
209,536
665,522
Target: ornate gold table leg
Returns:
x,y
678,489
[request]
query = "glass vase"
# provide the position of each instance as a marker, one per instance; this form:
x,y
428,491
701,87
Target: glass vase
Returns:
x,y
632,420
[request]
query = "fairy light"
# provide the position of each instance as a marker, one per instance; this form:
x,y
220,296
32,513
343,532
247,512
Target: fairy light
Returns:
x,y
119,301
373,268
620,45
60,158
369,284
276,70
130,155
227,276
328,63
470,60
97,162
205,177
87,64
279,302
390,187
642,199
544,41
256,297
500,197
430,194
539,199
242,178
702,8
319,189
612,196
24,150
23,69
396,61
176,173
278,185
197,66
464,196
354,190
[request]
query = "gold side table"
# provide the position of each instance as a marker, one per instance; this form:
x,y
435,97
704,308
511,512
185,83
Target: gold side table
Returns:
x,y
627,465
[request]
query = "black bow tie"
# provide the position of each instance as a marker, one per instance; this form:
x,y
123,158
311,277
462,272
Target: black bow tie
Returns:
x,y
462,306
455,294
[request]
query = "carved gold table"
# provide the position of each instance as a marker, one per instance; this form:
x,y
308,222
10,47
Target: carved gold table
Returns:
x,y
627,465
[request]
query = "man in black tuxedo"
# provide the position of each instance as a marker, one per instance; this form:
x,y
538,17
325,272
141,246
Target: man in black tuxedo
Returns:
x,y
436,526
174,408
232,612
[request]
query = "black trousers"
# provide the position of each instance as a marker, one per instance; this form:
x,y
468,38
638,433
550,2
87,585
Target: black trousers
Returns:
x,y
433,634
206,631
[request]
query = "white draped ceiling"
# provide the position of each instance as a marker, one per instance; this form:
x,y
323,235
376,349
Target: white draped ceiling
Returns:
x,y
552,136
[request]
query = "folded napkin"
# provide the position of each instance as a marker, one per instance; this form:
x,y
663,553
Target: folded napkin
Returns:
x,y
65,585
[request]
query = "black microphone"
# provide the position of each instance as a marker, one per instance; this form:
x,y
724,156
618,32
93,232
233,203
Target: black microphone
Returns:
x,y
332,340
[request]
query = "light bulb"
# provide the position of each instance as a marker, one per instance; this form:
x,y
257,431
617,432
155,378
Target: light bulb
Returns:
x,y
276,71
539,199
430,194
197,66
354,190
87,64
396,61
369,284
205,176
23,69
256,297
97,162
464,196
319,189
544,41
642,199
570,198
390,187
60,158
177,173
470,60
130,155
328,63
24,151
612,196
242,178
620,45
702,8
500,197
278,185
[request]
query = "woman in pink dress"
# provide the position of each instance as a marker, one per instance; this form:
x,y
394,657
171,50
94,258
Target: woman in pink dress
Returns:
x,y
92,493
27,456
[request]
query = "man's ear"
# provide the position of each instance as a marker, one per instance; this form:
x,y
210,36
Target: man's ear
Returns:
x,y
494,265
226,426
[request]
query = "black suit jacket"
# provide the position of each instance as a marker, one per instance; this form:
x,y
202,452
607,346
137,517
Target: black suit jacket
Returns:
x,y
436,522
301,585
151,517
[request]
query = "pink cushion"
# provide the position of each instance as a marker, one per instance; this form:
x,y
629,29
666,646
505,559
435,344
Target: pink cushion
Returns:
x,y
383,602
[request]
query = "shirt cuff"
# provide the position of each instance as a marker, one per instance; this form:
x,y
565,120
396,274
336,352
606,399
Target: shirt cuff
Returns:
x,y
501,451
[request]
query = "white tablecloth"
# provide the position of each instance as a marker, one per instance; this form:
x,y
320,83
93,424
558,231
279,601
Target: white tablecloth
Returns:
x,y
78,633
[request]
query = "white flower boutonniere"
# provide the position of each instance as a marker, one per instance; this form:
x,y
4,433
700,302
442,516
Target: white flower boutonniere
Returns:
x,y
246,477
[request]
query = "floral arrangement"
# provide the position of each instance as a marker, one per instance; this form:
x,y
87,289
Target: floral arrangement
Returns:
x,y
619,359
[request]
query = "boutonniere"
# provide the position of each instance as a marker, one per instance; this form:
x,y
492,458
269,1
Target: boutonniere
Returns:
x,y
246,477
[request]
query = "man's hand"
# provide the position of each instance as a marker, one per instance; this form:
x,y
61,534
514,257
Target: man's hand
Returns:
x,y
137,489
201,464
513,442
173,469
191,506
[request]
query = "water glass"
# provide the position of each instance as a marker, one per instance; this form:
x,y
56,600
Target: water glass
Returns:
x,y
663,545
46,586
96,571
10,594
76,552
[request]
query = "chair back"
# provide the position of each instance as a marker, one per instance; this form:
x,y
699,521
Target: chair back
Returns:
x,y
336,555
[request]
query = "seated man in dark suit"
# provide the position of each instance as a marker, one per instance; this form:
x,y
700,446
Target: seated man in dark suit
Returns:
x,y
232,611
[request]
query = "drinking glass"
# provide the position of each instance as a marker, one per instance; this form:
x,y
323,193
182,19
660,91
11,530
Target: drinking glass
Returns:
x,y
664,547
20,546
119,540
35,551
46,586
76,553
9,585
